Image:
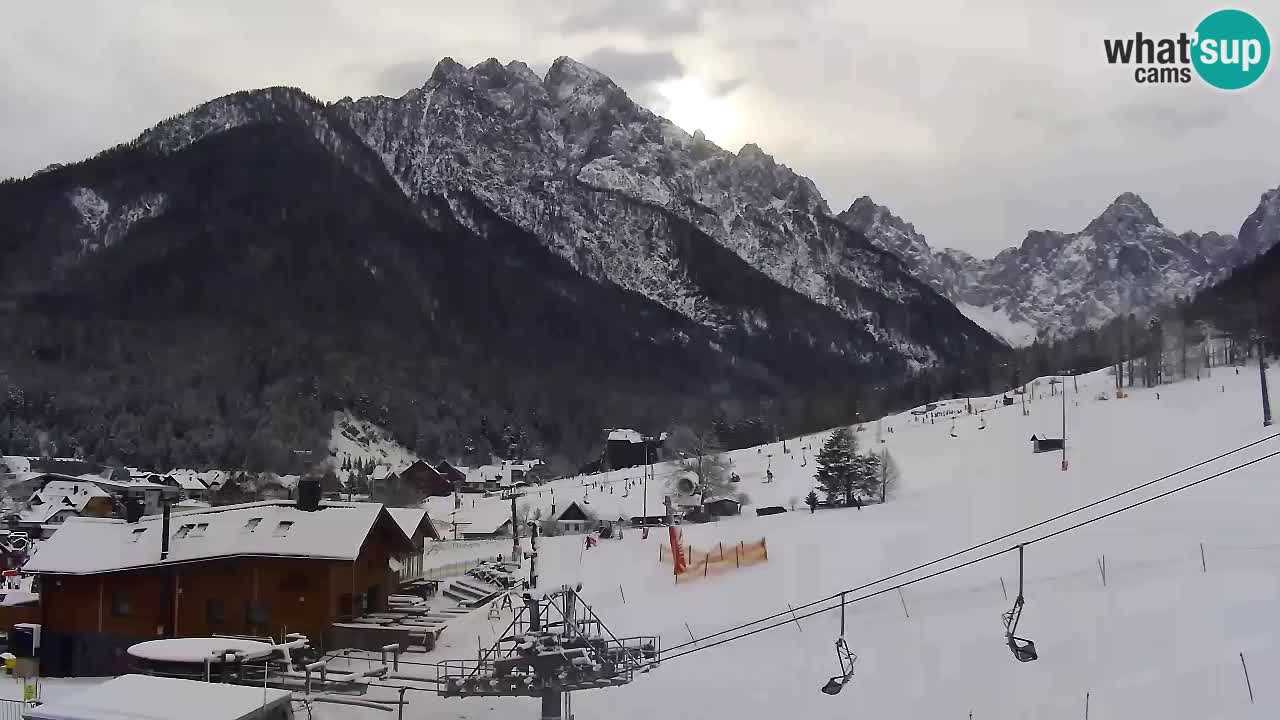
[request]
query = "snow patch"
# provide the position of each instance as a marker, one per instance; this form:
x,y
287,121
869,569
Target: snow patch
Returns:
x,y
357,440
1017,333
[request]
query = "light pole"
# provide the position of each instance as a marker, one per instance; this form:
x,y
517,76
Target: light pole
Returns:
x,y
1262,378
1064,423
644,482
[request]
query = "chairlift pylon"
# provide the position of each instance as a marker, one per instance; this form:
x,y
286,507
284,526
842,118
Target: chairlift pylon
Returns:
x,y
1023,649
844,656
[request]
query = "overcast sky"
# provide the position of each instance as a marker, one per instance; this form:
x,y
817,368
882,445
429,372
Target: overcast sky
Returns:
x,y
976,119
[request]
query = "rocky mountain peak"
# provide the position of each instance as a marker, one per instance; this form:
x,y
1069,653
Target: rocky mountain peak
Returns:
x,y
523,72
751,154
867,212
1126,211
450,70
567,77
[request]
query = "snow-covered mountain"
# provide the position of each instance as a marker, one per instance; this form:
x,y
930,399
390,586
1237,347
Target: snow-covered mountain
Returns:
x,y
1056,283
495,262
622,194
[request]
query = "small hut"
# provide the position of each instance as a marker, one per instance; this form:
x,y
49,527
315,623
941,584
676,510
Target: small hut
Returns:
x,y
1040,445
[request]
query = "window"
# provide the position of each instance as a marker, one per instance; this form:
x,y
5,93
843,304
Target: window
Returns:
x,y
256,614
182,532
120,605
283,528
252,524
137,533
198,530
215,612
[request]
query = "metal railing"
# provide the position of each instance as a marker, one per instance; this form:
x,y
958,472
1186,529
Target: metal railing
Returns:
x,y
450,570
12,709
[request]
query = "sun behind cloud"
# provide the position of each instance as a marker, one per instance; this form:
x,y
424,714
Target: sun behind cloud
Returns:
x,y
691,104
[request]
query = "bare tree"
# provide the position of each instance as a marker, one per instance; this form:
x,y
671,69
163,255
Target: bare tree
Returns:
x,y
889,474
700,455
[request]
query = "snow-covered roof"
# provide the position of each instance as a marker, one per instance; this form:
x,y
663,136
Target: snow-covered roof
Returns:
x,y
626,435
147,697
143,484
721,498
599,507
9,598
189,480
21,477
43,514
484,519
410,519
59,495
15,463
93,545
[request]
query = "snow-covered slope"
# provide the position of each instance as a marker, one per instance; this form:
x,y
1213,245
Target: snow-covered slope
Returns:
x,y
355,440
1056,283
1161,638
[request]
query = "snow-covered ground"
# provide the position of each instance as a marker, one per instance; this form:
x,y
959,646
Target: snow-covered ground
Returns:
x,y
355,439
1018,333
1162,638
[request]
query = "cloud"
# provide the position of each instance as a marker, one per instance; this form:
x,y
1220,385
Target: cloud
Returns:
x,y
635,71
975,126
396,79
1057,122
1170,119
649,19
726,87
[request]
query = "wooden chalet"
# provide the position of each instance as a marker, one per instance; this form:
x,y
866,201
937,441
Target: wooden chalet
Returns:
x,y
261,569
417,525
454,475
427,480
582,516
721,507
629,448
58,498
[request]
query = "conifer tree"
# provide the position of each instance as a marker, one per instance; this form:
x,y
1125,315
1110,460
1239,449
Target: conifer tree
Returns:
x,y
835,465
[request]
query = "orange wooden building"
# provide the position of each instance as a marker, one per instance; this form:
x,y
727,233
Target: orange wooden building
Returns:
x,y
263,569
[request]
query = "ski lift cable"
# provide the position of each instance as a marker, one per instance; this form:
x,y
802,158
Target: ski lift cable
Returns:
x,y
985,543
943,571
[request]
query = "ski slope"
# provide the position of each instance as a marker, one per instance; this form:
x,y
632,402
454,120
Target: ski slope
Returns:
x,y
1161,639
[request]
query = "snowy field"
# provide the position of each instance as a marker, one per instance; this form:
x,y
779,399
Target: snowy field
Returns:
x,y
1162,638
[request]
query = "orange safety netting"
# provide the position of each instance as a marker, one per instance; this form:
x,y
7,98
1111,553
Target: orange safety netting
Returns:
x,y
718,559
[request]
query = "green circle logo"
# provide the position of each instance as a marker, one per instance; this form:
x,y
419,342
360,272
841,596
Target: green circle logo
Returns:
x,y
1232,49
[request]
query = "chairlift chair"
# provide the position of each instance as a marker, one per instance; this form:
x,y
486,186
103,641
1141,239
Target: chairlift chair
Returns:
x,y
845,657
1023,649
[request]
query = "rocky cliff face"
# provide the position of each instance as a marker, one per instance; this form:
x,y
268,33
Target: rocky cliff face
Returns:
x,y
626,197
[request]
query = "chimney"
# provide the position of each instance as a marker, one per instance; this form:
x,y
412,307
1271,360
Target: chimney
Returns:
x,y
164,537
134,508
308,494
